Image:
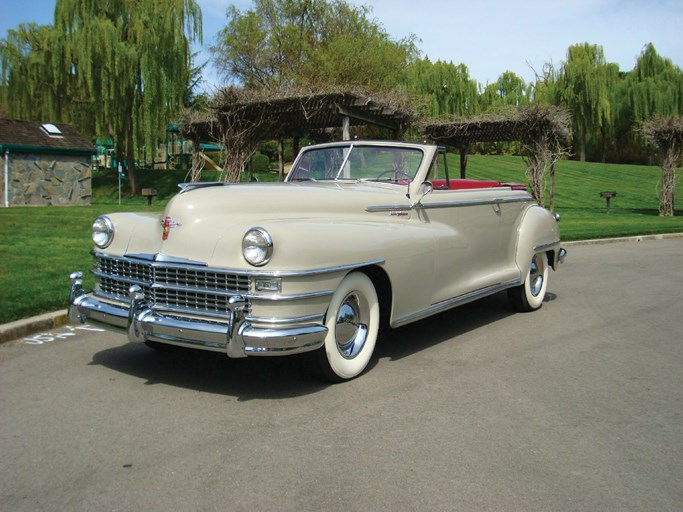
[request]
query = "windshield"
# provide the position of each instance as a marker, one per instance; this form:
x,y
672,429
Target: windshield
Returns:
x,y
368,163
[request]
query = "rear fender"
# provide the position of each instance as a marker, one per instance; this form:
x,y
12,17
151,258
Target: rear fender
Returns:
x,y
538,232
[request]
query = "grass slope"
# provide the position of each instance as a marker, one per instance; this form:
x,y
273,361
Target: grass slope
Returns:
x,y
39,247
634,211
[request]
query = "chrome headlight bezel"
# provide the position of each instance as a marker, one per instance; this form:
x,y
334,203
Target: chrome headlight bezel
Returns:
x,y
257,247
102,231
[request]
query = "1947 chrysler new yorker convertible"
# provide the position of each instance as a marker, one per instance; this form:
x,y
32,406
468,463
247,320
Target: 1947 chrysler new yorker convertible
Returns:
x,y
357,236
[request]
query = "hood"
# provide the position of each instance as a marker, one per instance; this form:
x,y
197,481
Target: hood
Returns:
x,y
207,224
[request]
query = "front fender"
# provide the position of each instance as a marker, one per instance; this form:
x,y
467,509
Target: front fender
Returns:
x,y
406,251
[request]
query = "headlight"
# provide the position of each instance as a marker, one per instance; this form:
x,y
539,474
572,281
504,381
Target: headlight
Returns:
x,y
102,232
257,247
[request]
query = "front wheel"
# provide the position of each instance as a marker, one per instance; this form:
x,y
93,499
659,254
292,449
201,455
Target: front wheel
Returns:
x,y
530,294
353,323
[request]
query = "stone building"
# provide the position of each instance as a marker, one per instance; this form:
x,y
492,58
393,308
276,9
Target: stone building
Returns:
x,y
44,164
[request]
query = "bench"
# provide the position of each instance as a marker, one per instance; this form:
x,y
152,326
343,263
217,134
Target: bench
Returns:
x,y
149,193
608,196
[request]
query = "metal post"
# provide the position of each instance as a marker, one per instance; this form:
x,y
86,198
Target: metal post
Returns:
x,y
345,128
7,178
119,169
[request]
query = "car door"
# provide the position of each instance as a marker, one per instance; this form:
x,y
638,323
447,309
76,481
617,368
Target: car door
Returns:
x,y
474,238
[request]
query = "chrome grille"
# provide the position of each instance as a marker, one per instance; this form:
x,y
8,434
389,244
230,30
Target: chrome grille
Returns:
x,y
176,287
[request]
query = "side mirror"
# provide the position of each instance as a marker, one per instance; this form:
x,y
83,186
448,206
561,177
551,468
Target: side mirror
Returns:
x,y
425,189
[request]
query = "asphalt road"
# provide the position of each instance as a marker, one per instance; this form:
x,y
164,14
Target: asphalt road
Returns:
x,y
577,406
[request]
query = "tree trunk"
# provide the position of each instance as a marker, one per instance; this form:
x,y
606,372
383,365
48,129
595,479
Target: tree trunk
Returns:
x,y
582,149
666,200
130,165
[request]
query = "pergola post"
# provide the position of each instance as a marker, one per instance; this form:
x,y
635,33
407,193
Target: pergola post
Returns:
x,y
464,149
281,158
346,132
295,146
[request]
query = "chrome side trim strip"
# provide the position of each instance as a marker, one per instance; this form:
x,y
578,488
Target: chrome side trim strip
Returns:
x,y
545,247
298,296
449,204
389,208
314,272
283,321
456,301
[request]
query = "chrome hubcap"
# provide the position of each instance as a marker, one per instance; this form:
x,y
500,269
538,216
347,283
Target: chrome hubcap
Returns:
x,y
535,277
350,332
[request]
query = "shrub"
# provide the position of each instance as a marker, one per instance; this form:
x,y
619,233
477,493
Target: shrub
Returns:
x,y
260,163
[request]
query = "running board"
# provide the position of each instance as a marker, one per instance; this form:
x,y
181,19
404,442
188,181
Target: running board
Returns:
x,y
456,301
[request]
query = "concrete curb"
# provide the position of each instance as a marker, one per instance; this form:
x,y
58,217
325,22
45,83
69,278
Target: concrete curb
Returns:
x,y
27,326
639,238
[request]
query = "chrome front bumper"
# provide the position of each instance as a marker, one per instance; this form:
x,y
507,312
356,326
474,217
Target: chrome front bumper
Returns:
x,y
237,337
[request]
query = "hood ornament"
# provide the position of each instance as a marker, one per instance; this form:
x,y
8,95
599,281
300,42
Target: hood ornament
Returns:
x,y
167,224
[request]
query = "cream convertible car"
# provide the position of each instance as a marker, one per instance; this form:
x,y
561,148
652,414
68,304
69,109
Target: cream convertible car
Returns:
x,y
357,237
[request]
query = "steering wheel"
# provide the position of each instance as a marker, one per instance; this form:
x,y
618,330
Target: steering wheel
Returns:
x,y
303,172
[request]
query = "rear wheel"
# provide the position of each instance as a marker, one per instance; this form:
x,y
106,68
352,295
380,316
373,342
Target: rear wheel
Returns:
x,y
353,323
530,294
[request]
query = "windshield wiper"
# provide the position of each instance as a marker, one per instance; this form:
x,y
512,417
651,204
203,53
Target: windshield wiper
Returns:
x,y
346,159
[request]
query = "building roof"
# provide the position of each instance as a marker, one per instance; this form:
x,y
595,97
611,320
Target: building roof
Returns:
x,y
36,137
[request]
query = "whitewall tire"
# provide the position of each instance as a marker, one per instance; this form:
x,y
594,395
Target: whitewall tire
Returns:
x,y
529,295
353,322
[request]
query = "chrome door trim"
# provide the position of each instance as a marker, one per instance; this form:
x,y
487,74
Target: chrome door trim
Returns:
x,y
449,204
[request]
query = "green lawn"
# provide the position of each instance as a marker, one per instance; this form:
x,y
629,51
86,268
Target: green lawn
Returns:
x,y
634,211
39,247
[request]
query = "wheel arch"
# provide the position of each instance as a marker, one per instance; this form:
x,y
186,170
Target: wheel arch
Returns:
x,y
383,287
537,233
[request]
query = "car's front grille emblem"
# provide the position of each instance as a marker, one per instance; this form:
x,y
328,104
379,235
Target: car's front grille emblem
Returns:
x,y
167,224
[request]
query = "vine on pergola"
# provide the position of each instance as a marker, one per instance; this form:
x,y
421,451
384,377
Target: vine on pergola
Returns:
x,y
542,130
226,124
666,134
239,119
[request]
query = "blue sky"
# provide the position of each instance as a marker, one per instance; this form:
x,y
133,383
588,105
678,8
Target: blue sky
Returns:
x,y
489,36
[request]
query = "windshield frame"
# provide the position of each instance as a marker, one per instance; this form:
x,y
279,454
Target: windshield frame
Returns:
x,y
380,162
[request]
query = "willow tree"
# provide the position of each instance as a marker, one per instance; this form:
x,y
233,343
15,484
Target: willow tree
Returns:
x,y
114,68
582,86
447,88
509,90
26,54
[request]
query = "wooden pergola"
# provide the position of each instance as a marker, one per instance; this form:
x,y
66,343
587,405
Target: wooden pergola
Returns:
x,y
542,130
522,125
239,121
